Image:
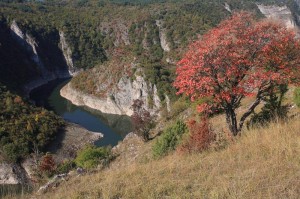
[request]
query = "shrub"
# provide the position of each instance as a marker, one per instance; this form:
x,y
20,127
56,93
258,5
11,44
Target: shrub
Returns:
x,y
297,96
141,119
91,156
169,140
66,166
47,165
200,138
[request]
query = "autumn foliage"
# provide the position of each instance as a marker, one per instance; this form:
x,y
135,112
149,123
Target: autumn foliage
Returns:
x,y
47,164
240,57
200,138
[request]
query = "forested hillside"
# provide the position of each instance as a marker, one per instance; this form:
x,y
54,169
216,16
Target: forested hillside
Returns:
x,y
117,38
147,59
154,33
24,129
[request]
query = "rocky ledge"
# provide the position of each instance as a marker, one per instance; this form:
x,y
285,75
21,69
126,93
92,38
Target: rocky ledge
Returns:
x,y
70,140
82,99
119,99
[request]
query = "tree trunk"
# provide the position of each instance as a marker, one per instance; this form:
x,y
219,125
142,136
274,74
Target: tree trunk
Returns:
x,y
231,121
250,110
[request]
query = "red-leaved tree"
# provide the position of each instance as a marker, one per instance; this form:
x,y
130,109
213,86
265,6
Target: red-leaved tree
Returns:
x,y
240,57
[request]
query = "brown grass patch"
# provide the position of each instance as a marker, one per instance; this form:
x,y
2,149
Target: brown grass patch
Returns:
x,y
262,163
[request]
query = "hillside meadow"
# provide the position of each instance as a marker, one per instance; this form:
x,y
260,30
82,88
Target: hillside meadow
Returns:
x,y
261,163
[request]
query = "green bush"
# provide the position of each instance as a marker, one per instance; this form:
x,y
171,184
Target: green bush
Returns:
x,y
297,96
169,140
66,166
91,156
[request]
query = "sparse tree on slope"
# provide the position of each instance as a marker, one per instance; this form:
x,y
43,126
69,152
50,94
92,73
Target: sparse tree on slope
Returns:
x,y
238,58
141,119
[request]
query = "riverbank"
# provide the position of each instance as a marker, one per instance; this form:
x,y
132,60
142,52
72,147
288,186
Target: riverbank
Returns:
x,y
114,127
71,139
78,98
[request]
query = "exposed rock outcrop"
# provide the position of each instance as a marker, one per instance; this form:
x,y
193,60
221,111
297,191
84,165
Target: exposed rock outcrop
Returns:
x,y
168,103
79,98
57,179
163,37
67,52
281,13
30,44
7,175
120,99
227,7
12,174
71,139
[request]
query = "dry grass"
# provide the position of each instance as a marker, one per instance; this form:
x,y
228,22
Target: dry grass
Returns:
x,y
262,163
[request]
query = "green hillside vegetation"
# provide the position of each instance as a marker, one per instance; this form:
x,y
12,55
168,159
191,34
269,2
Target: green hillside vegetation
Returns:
x,y
24,129
95,30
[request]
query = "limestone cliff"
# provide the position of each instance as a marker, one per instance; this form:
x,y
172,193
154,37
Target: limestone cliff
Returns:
x,y
67,52
7,174
281,13
32,48
163,37
119,99
13,174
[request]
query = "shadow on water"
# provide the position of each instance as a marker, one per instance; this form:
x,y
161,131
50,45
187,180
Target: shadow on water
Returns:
x,y
113,127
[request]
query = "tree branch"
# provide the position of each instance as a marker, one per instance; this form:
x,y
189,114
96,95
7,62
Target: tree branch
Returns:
x,y
250,110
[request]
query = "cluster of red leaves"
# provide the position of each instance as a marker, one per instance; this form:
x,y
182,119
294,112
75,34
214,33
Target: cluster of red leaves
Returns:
x,y
238,58
200,138
47,164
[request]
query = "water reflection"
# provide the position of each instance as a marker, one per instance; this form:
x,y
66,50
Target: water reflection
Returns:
x,y
114,127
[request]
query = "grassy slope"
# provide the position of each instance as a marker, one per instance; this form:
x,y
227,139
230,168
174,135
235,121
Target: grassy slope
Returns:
x,y
262,163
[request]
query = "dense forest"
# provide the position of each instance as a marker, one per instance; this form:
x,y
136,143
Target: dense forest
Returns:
x,y
24,129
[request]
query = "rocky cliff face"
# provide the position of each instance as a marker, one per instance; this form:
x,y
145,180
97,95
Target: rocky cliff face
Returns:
x,y
281,13
30,44
163,37
32,48
7,175
12,174
67,52
119,99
